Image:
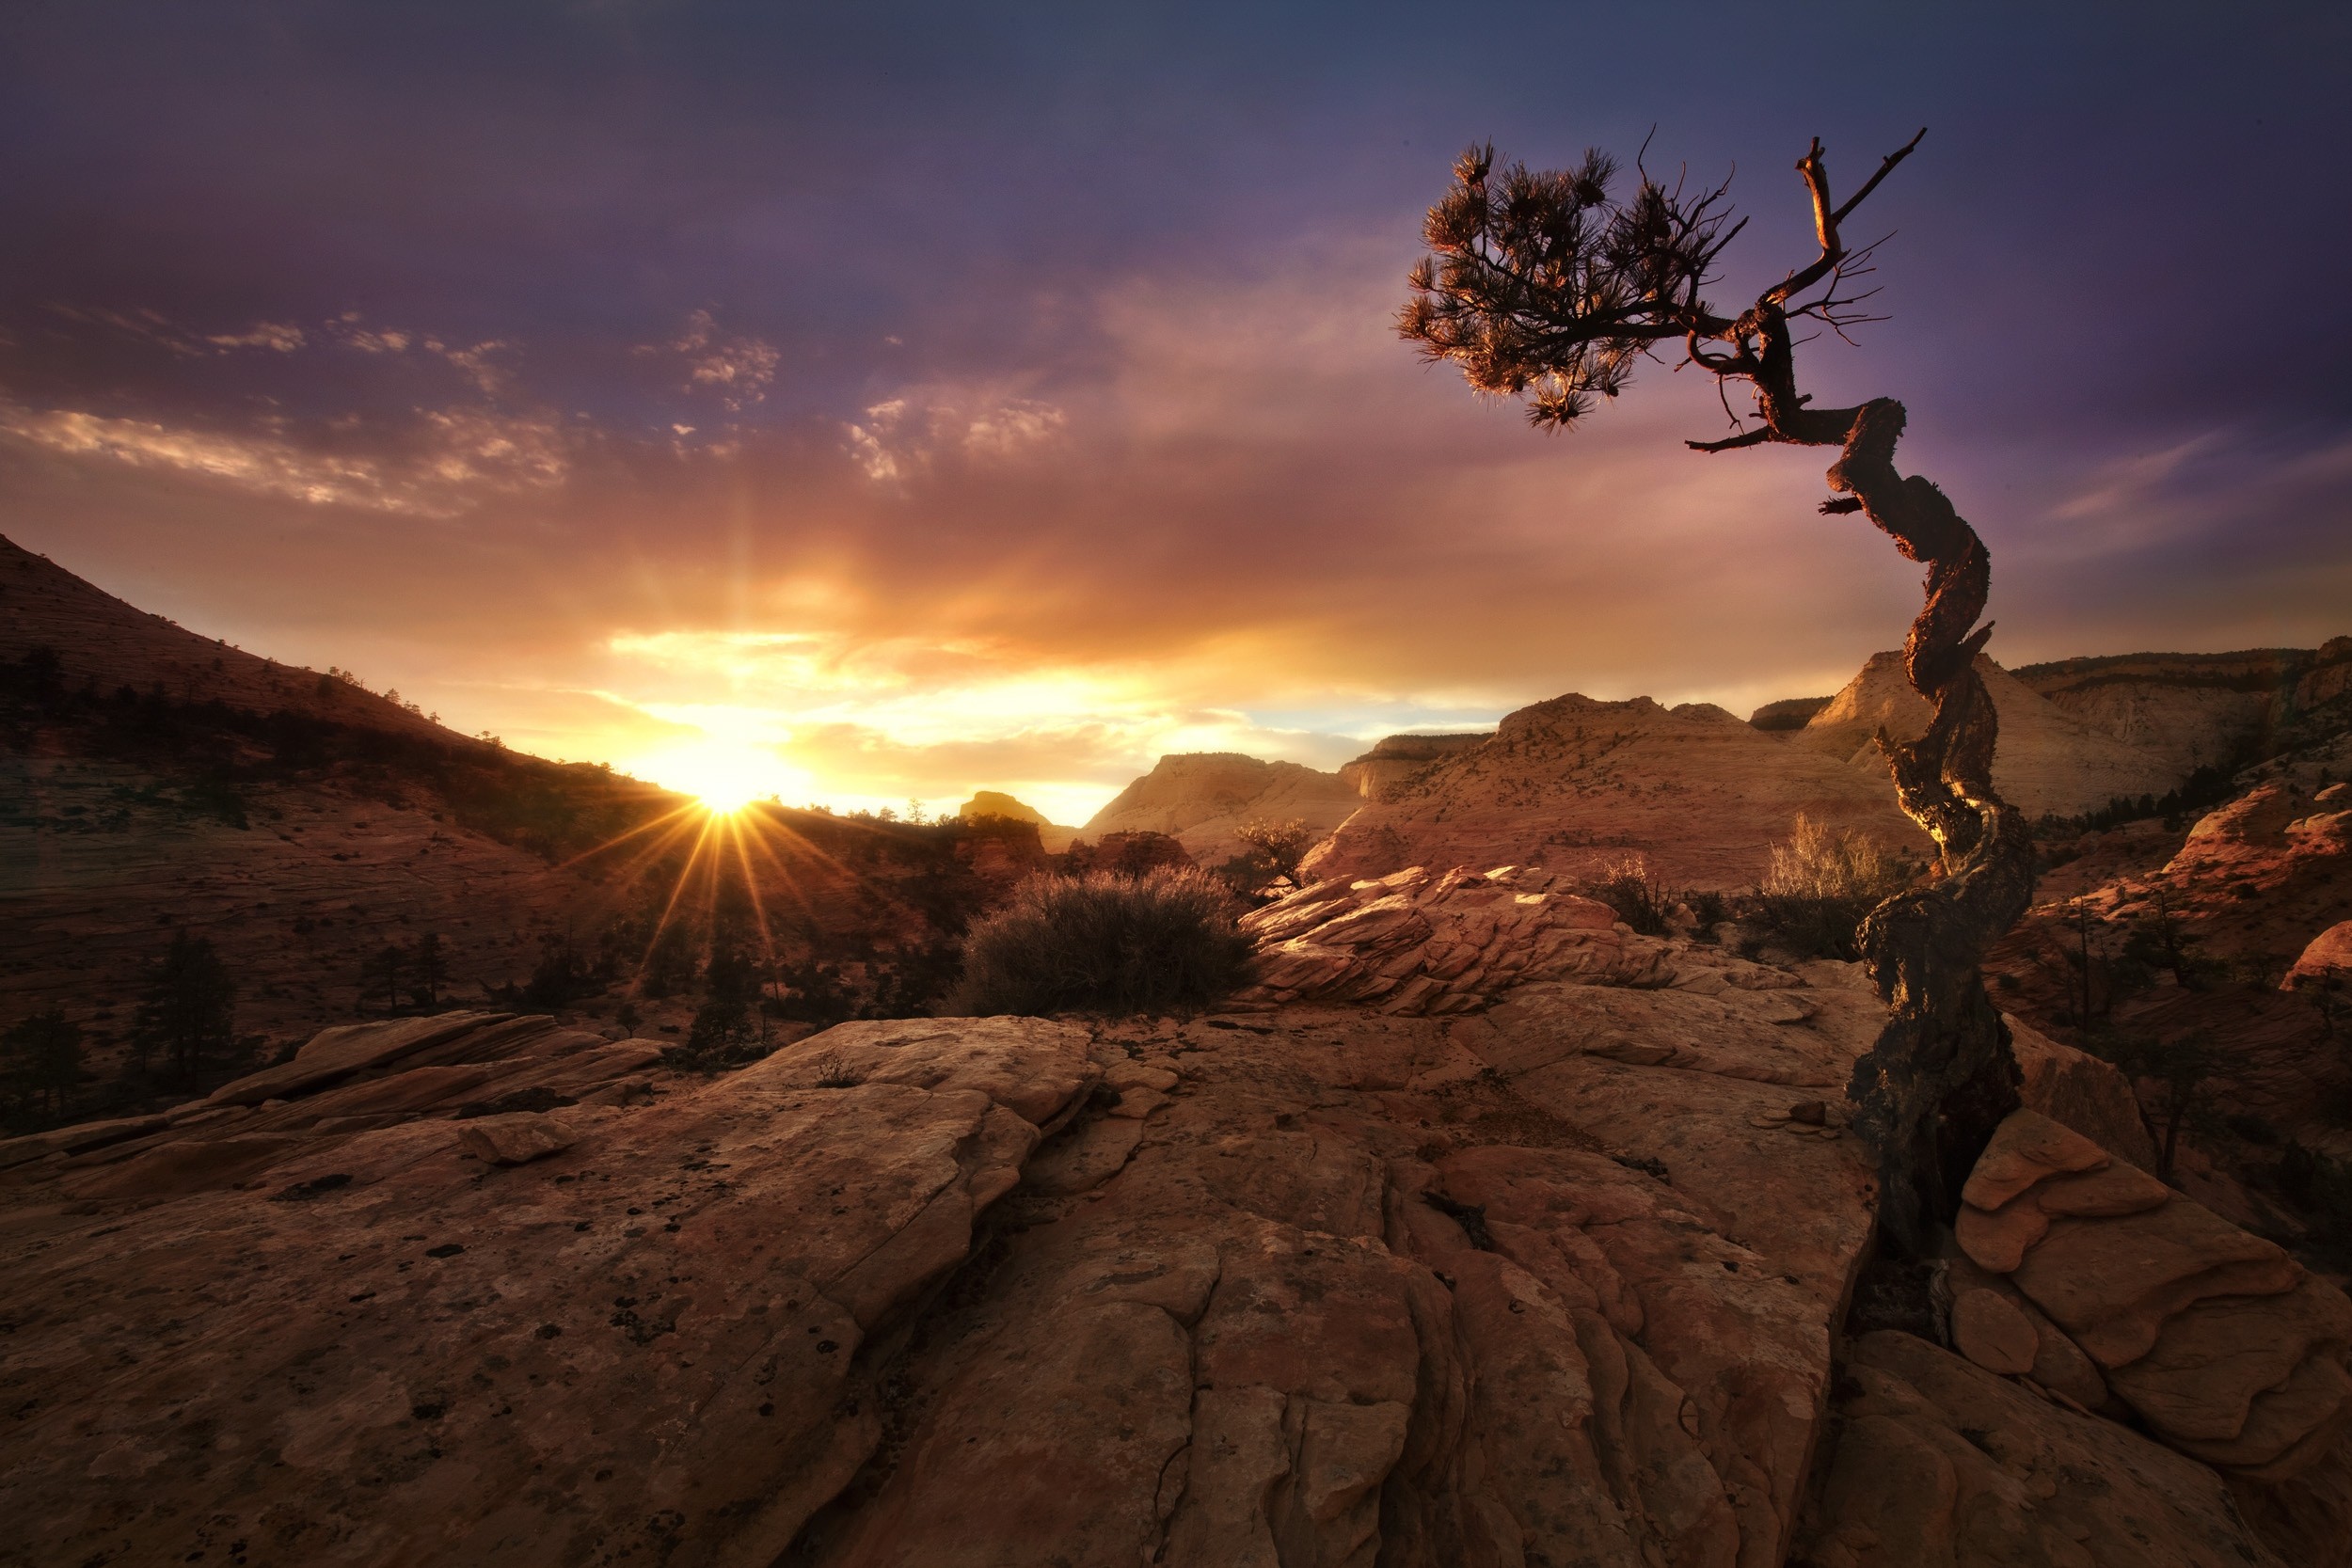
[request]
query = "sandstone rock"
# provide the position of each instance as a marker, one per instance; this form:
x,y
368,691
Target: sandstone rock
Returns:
x,y
657,1360
1992,1333
1937,1462
2215,1339
1396,758
1202,797
2195,709
2027,1148
516,1139
2078,1091
1574,784
1413,942
2047,761
339,1053
2326,956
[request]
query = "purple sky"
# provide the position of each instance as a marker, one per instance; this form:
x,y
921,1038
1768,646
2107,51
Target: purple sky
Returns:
x,y
897,401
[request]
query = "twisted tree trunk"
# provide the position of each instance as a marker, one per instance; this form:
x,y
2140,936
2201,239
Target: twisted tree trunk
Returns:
x,y
1941,1075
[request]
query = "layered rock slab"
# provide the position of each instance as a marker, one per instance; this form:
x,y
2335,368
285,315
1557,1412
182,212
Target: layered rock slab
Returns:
x,y
1938,1463
646,1344
1416,942
2219,1342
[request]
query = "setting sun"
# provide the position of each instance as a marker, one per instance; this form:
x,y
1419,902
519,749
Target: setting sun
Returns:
x,y
725,775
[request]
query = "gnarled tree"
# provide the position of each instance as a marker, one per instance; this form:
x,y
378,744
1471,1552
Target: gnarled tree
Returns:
x,y
1545,286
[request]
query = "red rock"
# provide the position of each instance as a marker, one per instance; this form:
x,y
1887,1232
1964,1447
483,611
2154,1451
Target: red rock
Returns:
x,y
1574,784
516,1139
2027,1148
2326,956
1939,1462
1992,1333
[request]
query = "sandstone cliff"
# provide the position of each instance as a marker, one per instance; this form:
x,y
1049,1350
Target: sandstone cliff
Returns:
x,y
1574,784
2195,709
2048,761
993,803
1201,797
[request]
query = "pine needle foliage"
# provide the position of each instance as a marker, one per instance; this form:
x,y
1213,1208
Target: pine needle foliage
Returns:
x,y
1162,942
1541,284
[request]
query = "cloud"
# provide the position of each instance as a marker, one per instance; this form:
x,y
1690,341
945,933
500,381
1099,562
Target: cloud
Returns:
x,y
900,436
155,326
452,458
740,369
281,336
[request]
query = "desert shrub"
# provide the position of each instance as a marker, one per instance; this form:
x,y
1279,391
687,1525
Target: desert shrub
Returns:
x,y
1628,887
1281,844
1164,942
1819,884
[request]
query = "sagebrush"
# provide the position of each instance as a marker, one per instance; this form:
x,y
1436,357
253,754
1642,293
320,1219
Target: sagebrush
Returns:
x,y
1161,943
1819,884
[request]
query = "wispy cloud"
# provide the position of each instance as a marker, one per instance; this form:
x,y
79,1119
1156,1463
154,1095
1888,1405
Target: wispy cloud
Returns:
x,y
454,456
738,368
155,326
900,436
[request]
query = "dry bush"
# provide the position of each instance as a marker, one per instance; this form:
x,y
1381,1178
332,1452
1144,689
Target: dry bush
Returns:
x,y
1819,884
1640,899
1161,943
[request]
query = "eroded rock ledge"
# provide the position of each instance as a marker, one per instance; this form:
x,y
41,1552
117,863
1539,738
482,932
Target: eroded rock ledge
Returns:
x,y
1559,1279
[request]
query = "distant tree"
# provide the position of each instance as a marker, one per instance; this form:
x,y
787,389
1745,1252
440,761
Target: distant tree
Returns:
x,y
1547,287
668,966
1281,844
563,975
430,972
2160,941
189,1011
383,969
43,1057
2182,1068
730,1022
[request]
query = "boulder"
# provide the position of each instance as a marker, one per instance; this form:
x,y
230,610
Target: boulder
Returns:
x,y
516,1139
1938,1462
2215,1338
1414,943
2326,957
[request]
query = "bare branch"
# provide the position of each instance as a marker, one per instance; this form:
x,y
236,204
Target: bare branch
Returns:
x,y
1761,435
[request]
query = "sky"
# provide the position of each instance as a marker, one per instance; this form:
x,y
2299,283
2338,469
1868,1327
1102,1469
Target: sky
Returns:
x,y
878,403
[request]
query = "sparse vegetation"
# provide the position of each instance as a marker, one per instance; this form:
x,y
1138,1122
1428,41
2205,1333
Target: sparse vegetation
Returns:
x,y
1628,887
1270,851
189,1012
41,1056
1164,942
2181,1068
1819,885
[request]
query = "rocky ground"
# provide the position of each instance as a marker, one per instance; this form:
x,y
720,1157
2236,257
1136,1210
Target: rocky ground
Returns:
x,y
1563,1279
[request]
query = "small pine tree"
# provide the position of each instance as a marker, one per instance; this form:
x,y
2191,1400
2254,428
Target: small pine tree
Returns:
x,y
43,1057
730,1022
427,963
189,1012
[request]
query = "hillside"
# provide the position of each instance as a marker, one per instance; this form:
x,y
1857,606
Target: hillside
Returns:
x,y
154,783
1201,798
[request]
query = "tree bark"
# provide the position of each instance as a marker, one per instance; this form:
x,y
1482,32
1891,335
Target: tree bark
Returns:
x,y
1941,1075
